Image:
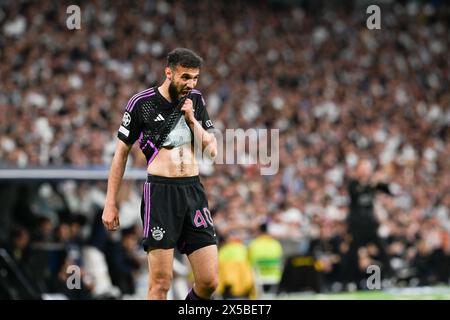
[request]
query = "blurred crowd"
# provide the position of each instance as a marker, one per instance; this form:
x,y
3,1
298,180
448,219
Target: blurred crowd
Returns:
x,y
337,91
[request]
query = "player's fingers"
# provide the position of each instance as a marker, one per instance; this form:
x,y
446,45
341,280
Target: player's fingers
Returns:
x,y
187,103
186,108
114,224
109,225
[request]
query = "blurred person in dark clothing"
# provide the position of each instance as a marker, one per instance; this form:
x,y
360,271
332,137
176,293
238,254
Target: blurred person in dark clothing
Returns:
x,y
328,249
41,251
22,275
430,266
126,263
43,231
64,276
362,222
8,194
19,245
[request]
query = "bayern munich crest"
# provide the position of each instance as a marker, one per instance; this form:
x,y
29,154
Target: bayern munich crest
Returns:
x,y
158,233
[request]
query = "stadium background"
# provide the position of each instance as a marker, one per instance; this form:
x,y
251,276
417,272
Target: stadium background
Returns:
x,y
337,92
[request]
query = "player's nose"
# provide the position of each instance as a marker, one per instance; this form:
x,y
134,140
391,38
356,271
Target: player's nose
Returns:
x,y
190,84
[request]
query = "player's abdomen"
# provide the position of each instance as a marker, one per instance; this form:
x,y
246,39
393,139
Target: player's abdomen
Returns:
x,y
175,162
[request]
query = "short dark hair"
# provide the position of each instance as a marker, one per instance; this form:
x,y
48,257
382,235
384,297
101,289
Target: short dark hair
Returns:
x,y
184,57
263,227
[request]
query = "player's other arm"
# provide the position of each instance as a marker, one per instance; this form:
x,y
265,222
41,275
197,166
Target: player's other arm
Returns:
x,y
379,183
110,215
208,140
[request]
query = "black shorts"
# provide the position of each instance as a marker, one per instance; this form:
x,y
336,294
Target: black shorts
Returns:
x,y
174,213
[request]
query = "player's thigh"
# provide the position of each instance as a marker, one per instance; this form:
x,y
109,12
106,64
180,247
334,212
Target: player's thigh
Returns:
x,y
160,264
204,264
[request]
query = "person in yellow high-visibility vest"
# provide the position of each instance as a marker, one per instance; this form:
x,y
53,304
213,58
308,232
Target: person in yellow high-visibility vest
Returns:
x,y
266,258
235,272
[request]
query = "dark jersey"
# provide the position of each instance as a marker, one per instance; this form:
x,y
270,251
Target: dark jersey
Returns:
x,y
361,203
146,113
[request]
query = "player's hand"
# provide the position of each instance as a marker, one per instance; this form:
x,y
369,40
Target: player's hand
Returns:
x,y
110,218
188,109
379,177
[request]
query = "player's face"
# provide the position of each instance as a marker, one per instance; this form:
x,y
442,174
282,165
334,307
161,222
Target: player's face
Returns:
x,y
183,80
364,170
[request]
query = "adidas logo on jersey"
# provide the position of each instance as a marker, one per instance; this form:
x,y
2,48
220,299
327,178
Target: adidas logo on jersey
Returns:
x,y
159,118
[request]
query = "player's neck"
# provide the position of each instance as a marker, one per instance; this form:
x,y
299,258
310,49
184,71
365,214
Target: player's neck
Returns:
x,y
164,91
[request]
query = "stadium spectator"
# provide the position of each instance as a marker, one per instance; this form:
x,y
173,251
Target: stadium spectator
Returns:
x,y
266,257
236,280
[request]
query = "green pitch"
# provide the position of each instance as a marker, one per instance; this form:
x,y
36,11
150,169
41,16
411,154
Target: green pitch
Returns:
x,y
425,293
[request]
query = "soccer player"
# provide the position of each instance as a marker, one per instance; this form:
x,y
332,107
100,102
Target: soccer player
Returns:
x,y
174,211
362,222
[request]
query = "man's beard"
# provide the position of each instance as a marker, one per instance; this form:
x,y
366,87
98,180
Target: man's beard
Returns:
x,y
173,92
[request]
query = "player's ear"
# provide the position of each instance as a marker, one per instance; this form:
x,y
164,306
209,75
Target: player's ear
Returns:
x,y
168,72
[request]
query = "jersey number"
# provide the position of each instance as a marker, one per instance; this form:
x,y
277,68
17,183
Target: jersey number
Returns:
x,y
203,219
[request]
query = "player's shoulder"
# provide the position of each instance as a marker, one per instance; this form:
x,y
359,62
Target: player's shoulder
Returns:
x,y
197,95
137,99
196,92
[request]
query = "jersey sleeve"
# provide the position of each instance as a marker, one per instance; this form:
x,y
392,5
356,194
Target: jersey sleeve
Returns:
x,y
352,185
383,187
201,114
131,126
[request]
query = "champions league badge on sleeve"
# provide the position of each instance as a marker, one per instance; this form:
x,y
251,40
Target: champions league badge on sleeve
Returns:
x,y
126,119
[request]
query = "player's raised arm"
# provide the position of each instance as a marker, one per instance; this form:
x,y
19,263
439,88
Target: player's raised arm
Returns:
x,y
207,139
